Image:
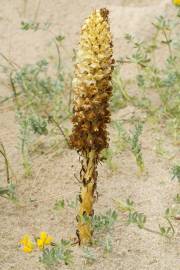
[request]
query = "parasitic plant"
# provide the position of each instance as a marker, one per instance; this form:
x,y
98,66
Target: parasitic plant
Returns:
x,y
92,91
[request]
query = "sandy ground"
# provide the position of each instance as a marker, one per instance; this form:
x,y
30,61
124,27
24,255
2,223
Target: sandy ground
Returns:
x,y
133,249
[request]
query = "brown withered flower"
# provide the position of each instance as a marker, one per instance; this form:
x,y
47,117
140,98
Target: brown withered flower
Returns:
x,y
92,91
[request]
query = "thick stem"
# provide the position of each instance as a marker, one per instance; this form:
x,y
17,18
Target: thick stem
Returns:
x,y
88,177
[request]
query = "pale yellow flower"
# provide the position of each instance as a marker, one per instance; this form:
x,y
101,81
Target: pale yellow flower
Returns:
x,y
44,240
176,2
27,244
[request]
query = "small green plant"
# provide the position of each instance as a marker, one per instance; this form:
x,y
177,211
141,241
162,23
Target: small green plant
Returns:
x,y
41,99
124,139
165,231
175,171
89,256
29,25
38,124
163,80
169,214
159,148
40,107
35,26
177,198
120,96
25,140
73,203
104,222
60,204
52,253
127,206
107,155
135,217
107,245
136,146
8,192
121,140
61,252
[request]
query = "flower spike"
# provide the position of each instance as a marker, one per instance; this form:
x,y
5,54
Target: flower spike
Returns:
x,y
92,91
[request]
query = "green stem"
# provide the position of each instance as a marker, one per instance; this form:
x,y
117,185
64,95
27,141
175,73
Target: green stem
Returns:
x,y
167,41
3,152
151,231
16,101
170,223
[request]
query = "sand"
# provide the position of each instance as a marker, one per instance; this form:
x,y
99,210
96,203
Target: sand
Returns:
x,y
133,249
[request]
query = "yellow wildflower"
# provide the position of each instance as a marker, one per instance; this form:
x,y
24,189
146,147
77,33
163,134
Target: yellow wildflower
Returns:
x,y
27,244
44,240
176,2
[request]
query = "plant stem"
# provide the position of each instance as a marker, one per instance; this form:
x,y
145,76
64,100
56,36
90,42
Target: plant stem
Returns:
x,y
70,96
59,57
167,41
151,231
11,63
59,127
3,152
170,223
88,176
16,101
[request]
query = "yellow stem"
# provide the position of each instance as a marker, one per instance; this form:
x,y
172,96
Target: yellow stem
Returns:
x,y
86,198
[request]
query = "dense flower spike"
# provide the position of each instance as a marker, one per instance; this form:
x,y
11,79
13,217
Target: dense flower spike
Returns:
x,y
92,84
92,91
